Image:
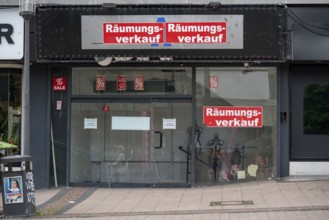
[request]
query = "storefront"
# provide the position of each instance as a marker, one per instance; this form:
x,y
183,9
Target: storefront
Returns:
x,y
141,133
11,53
161,95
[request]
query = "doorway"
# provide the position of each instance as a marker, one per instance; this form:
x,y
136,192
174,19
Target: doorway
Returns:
x,y
310,107
130,141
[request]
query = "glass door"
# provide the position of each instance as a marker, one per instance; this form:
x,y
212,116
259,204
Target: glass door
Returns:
x,y
130,141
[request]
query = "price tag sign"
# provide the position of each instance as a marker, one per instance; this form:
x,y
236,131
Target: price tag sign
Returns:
x,y
213,82
100,83
138,83
121,83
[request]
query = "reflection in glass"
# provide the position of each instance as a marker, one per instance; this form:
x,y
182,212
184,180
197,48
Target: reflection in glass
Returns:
x,y
10,110
316,110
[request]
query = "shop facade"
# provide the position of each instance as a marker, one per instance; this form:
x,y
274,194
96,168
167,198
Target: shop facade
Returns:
x,y
171,95
165,75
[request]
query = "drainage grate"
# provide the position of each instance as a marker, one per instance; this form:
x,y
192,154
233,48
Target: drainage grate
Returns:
x,y
224,203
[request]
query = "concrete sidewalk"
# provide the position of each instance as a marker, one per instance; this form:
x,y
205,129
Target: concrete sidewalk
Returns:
x,y
268,196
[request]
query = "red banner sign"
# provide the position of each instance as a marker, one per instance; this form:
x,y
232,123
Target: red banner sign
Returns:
x,y
196,32
100,83
121,82
133,33
170,32
233,116
59,83
138,83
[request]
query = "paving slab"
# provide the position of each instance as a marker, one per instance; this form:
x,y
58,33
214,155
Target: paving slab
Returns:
x,y
271,199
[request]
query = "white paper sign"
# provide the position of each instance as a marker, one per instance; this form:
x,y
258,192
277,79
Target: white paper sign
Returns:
x,y
169,123
252,170
129,123
241,174
59,105
90,123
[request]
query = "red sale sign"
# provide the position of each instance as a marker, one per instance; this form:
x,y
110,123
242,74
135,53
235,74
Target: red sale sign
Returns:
x,y
121,83
100,83
106,108
59,83
213,82
138,83
233,116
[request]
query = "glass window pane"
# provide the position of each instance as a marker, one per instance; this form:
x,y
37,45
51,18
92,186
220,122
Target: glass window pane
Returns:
x,y
316,109
137,81
240,150
10,110
150,154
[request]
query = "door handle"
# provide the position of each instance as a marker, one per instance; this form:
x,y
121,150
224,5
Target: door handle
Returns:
x,y
160,133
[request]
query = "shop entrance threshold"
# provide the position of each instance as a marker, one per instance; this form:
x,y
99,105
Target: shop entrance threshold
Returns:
x,y
151,185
